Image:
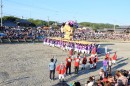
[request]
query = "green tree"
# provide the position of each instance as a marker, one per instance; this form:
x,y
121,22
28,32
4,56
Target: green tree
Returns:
x,y
38,22
10,18
96,26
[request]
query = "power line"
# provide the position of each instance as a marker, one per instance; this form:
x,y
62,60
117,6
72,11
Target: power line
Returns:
x,y
33,6
56,12
1,13
43,8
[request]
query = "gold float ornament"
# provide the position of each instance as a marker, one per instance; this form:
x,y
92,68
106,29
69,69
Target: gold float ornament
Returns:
x,y
72,41
68,32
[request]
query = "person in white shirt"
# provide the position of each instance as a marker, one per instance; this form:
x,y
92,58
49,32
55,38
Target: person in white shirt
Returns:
x,y
101,74
91,81
105,49
109,65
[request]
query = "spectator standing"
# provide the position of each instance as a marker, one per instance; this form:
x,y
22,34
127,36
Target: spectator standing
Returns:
x,y
52,69
84,61
114,57
111,79
109,65
101,74
89,49
105,64
71,52
91,81
91,61
55,61
61,70
95,61
108,55
121,79
93,52
68,65
105,49
76,64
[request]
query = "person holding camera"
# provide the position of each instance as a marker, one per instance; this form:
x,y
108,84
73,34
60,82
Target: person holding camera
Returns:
x,y
52,69
52,66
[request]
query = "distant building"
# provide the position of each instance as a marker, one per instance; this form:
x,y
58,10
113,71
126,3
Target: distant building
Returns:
x,y
123,29
120,29
106,30
9,23
24,22
20,22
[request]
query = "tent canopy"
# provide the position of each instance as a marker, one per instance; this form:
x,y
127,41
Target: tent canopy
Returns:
x,y
9,23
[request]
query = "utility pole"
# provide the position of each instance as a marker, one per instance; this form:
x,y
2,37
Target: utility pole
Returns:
x,y
114,27
1,14
48,21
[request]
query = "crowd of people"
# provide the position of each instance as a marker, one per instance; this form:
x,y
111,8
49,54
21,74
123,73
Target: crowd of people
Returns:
x,y
75,46
92,35
106,77
66,68
120,78
72,47
38,33
22,34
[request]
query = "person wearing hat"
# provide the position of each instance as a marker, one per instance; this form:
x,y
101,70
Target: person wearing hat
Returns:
x,y
68,65
61,71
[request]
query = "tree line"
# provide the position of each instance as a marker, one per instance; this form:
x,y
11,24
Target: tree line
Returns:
x,y
39,22
96,26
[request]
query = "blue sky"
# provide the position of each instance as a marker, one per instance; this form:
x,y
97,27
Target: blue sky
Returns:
x,y
97,11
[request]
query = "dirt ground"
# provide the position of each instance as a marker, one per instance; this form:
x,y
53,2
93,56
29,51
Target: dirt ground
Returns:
x,y
27,64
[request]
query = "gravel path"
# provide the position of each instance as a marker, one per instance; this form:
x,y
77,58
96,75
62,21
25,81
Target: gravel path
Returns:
x,y
27,64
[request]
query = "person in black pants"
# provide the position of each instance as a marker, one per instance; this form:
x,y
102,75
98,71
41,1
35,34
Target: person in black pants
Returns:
x,y
76,69
76,64
52,74
55,60
52,66
68,65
